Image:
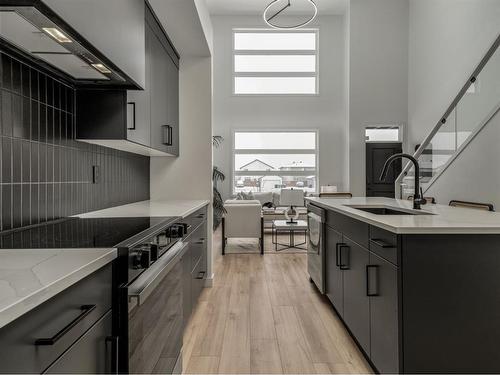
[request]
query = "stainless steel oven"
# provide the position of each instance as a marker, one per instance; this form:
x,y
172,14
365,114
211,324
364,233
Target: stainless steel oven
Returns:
x,y
316,246
155,316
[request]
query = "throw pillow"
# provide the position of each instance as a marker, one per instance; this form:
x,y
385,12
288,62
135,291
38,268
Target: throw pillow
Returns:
x,y
245,196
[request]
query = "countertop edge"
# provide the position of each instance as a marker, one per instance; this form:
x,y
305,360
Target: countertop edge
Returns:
x,y
150,208
196,208
408,230
35,299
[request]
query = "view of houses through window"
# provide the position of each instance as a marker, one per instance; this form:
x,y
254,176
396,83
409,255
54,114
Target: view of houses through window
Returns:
x,y
271,161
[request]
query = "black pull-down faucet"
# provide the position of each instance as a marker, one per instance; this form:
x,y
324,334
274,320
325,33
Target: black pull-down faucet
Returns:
x,y
418,198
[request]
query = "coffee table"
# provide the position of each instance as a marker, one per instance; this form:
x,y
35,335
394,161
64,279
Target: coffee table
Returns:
x,y
282,226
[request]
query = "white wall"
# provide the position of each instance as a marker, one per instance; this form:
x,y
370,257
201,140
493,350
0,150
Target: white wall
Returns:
x,y
378,71
447,40
190,175
325,112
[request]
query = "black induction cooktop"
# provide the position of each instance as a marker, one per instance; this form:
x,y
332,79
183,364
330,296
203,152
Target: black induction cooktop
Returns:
x,y
83,233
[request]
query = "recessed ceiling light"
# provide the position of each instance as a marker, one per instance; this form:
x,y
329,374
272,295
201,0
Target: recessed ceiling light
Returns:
x,y
57,34
102,68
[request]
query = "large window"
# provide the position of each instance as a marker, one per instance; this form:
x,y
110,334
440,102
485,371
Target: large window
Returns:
x,y
273,160
272,62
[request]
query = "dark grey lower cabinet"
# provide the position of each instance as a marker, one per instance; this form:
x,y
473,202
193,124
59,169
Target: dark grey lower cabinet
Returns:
x,y
194,261
334,277
31,343
356,301
93,353
187,303
382,286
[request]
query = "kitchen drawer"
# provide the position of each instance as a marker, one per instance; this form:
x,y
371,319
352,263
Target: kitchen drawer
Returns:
x,y
198,279
356,230
195,219
64,318
94,353
198,244
384,244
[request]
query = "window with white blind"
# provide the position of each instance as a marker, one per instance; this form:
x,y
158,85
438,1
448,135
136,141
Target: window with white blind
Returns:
x,y
275,62
272,160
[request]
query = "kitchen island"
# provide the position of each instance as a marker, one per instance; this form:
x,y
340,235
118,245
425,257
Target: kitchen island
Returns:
x,y
418,289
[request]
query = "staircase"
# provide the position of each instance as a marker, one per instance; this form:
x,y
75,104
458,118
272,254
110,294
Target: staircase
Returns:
x,y
473,108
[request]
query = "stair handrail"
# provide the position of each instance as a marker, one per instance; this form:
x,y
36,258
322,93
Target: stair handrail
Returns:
x,y
472,78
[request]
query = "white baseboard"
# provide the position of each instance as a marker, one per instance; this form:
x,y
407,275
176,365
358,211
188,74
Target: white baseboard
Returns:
x,y
209,281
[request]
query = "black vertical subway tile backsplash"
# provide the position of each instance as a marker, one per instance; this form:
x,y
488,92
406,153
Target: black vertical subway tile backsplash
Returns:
x,y
45,174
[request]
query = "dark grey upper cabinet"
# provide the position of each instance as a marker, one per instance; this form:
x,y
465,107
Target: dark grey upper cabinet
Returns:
x,y
143,121
334,277
384,340
139,106
356,300
164,89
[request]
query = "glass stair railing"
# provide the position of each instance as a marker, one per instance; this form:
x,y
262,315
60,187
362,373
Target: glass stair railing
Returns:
x,y
476,104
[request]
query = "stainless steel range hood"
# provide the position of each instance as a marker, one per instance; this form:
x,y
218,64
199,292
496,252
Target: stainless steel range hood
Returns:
x,y
32,29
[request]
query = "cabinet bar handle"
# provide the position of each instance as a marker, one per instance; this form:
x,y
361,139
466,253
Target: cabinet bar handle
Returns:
x,y
343,265
115,353
337,257
200,242
382,244
86,310
369,292
201,275
133,115
167,135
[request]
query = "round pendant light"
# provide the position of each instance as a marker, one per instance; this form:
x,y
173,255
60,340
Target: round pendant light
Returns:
x,y
269,17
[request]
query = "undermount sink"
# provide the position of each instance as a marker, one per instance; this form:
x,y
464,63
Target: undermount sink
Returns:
x,y
385,210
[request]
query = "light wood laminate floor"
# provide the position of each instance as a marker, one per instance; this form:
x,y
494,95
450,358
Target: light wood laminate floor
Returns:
x,y
263,316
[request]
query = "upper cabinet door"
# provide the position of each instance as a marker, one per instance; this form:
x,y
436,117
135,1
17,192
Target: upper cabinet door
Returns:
x,y
173,106
114,27
161,134
139,107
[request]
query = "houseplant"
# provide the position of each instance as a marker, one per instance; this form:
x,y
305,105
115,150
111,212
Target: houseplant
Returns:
x,y
217,176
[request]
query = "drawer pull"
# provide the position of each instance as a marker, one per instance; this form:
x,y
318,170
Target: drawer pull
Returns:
x,y
200,216
201,275
382,244
86,310
200,242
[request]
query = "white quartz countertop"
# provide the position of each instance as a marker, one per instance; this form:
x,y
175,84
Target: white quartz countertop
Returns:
x,y
442,219
181,208
29,277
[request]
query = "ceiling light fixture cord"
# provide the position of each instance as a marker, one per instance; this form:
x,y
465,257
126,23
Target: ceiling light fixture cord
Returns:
x,y
279,11
268,20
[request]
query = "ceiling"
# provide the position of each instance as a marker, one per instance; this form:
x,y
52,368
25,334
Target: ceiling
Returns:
x,y
256,7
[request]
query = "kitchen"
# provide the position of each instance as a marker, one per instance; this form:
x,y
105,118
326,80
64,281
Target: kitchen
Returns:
x,y
116,115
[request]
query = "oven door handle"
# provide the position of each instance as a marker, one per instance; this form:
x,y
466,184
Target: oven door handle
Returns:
x,y
146,283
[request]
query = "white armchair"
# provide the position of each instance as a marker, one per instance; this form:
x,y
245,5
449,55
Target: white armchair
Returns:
x,y
243,219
